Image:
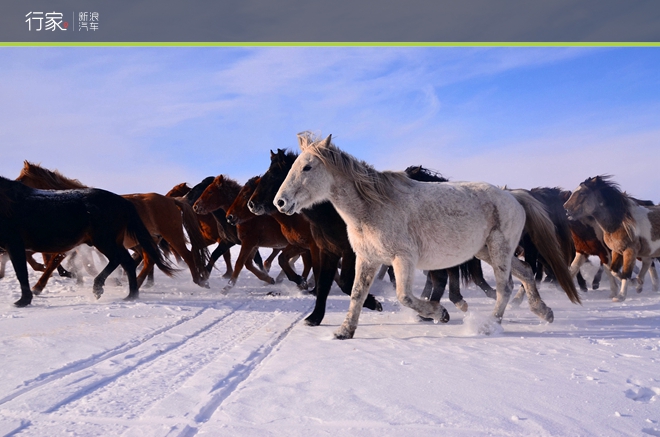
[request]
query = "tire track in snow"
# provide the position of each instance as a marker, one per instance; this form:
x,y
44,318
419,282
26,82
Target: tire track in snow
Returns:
x,y
81,365
168,385
69,383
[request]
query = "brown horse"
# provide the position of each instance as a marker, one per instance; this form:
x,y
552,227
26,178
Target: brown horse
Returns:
x,y
295,229
215,229
163,217
208,226
629,230
255,233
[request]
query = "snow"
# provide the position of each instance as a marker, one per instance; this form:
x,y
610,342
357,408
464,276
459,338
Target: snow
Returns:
x,y
187,361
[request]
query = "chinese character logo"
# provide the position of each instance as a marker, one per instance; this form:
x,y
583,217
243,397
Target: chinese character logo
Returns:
x,y
88,21
52,21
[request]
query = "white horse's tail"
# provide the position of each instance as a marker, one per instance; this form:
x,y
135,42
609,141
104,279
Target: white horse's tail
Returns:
x,y
542,232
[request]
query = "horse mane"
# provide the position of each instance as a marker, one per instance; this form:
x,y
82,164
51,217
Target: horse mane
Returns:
x,y
371,185
283,159
423,174
617,202
50,180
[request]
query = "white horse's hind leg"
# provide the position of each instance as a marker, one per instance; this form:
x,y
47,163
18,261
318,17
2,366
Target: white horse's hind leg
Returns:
x,y
404,271
501,263
523,271
365,273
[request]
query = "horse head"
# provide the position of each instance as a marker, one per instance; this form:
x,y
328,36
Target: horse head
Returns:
x,y
239,212
309,180
261,201
218,194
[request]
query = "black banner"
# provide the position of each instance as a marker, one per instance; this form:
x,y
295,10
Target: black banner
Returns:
x,y
323,21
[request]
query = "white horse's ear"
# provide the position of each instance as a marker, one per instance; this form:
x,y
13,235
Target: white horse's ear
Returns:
x,y
327,141
303,140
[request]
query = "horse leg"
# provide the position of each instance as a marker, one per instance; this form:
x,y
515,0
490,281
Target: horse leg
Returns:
x,y
289,252
196,266
36,266
219,251
455,295
53,262
436,281
583,284
477,276
365,273
4,257
327,267
127,263
16,252
347,279
498,255
654,276
228,267
523,271
404,270
381,272
646,263
99,280
597,277
247,252
614,287
628,266
269,261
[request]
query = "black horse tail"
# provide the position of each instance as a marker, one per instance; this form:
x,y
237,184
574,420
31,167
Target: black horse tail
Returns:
x,y
542,232
138,232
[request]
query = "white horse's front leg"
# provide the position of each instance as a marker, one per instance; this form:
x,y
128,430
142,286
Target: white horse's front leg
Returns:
x,y
404,271
365,272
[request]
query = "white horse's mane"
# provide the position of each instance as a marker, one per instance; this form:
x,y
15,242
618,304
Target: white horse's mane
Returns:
x,y
372,185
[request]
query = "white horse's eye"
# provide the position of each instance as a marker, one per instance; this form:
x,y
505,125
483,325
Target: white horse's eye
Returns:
x,y
307,168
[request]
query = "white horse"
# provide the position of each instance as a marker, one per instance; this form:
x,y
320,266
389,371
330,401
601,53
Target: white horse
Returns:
x,y
394,220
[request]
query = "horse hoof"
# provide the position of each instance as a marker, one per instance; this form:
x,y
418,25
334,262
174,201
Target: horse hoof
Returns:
x,y
313,320
303,285
22,302
344,333
131,297
462,305
595,286
378,306
424,319
98,292
618,298
549,316
37,291
444,317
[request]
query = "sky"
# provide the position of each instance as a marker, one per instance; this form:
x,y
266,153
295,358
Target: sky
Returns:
x,y
140,119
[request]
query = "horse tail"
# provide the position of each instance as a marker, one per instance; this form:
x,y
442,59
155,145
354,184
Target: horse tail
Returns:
x,y
138,232
197,241
542,233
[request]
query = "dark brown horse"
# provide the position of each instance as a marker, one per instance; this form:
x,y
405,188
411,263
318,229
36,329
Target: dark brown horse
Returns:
x,y
163,217
57,221
259,232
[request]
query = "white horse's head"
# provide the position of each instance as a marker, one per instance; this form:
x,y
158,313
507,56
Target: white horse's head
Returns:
x,y
308,181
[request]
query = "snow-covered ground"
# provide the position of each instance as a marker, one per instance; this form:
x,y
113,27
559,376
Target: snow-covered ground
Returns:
x,y
186,361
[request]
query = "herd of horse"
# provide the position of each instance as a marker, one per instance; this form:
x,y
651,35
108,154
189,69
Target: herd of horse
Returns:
x,y
347,221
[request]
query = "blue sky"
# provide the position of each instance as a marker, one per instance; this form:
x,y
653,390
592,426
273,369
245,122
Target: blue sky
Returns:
x,y
145,119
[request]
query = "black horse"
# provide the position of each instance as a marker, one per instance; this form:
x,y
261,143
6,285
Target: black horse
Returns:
x,y
57,221
328,230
